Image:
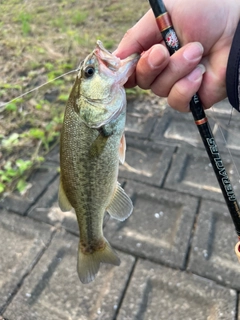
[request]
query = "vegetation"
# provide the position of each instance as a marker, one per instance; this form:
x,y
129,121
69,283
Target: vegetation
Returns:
x,y
40,41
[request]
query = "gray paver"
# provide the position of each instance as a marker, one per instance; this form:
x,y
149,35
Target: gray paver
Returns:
x,y
159,227
212,253
22,240
47,209
192,172
176,128
223,108
146,162
53,290
53,155
39,180
158,293
141,118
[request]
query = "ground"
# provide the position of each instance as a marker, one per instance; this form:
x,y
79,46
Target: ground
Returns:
x,y
39,42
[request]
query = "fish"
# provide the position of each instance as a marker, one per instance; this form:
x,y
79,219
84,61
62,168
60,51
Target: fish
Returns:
x,y
92,144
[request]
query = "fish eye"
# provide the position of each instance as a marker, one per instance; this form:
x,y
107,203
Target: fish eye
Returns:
x,y
89,72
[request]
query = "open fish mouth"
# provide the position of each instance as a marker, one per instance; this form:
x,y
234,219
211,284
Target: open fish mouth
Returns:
x,y
110,60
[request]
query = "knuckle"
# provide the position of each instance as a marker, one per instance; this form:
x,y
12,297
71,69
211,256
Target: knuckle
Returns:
x,y
129,34
160,90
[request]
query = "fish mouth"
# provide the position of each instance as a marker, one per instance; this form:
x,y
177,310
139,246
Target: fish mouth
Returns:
x,y
106,57
124,67
115,73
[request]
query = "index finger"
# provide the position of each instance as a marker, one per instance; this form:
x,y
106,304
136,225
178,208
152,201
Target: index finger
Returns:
x,y
140,37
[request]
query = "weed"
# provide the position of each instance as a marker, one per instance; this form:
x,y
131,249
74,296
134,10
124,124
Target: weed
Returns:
x,y
11,106
12,171
39,42
109,44
25,19
79,17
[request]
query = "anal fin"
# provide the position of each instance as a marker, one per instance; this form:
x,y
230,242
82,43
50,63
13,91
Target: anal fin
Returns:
x,y
121,205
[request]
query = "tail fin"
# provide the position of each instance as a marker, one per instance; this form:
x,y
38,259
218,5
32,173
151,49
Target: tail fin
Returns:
x,y
88,264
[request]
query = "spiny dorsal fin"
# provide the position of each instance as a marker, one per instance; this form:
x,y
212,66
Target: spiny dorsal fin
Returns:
x,y
121,205
63,202
122,149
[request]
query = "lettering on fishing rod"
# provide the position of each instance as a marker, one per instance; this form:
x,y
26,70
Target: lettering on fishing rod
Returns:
x,y
221,170
196,99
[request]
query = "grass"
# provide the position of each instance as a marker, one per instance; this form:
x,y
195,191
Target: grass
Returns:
x,y
40,41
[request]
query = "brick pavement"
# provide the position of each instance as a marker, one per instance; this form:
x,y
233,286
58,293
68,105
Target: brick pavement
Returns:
x,y
177,248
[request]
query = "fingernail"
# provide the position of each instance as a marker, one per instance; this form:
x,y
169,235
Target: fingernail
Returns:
x,y
193,51
197,73
156,57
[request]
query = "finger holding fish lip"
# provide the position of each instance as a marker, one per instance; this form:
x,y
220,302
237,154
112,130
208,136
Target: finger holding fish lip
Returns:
x,y
158,72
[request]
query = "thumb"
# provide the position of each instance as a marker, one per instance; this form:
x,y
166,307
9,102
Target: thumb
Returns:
x,y
140,37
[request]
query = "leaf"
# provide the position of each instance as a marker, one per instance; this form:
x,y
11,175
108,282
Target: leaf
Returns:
x,y
36,133
11,140
23,165
63,97
21,185
2,187
11,106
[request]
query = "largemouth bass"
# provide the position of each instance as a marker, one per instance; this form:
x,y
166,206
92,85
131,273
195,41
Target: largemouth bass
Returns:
x,y
92,143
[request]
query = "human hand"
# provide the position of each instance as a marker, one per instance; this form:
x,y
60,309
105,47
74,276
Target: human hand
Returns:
x,y
205,30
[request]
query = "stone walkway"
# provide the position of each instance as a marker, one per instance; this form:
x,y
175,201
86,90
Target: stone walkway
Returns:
x,y
177,248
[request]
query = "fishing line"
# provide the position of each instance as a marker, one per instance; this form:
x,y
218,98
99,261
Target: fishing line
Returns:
x,y
3,105
230,116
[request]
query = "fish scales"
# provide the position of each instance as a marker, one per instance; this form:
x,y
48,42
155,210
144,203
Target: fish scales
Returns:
x,y
92,142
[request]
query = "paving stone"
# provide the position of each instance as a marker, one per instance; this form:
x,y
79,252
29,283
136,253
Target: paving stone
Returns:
x,y
53,290
175,128
53,155
212,254
223,108
38,180
159,227
22,241
47,209
158,293
146,161
141,118
192,172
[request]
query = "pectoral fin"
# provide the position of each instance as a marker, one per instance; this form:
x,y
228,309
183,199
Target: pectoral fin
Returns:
x,y
63,202
121,205
122,149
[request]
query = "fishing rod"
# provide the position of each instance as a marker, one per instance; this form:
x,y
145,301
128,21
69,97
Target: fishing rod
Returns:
x,y
172,43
